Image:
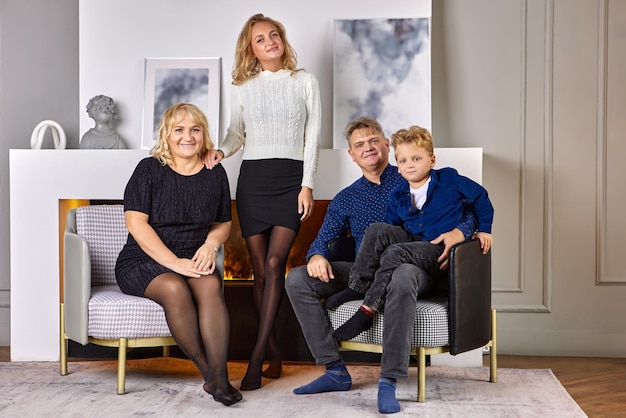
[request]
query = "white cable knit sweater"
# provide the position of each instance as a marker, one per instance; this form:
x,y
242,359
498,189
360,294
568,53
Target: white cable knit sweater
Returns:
x,y
277,115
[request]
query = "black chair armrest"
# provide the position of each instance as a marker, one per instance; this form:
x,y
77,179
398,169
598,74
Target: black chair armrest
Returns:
x,y
342,249
469,277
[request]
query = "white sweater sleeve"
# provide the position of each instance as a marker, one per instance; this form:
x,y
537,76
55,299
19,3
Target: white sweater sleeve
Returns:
x,y
235,136
312,131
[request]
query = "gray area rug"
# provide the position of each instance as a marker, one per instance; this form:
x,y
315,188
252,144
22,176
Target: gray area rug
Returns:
x,y
167,387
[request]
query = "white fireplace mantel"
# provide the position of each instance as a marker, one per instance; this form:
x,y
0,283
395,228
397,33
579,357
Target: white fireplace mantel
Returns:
x,y
40,178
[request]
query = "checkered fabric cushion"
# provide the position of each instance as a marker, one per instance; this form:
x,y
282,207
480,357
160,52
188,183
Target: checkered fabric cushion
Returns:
x,y
104,228
430,328
114,315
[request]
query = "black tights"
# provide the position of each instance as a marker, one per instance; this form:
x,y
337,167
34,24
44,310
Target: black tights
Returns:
x,y
196,313
269,251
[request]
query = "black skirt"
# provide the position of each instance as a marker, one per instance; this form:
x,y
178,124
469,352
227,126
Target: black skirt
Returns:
x,y
267,195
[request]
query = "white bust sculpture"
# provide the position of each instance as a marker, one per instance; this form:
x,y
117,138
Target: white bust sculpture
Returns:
x,y
102,110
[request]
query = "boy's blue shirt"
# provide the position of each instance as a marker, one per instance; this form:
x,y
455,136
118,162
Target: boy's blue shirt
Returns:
x,y
443,209
362,203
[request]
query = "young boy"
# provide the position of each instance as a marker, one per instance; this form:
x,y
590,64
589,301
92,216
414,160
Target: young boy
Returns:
x,y
429,203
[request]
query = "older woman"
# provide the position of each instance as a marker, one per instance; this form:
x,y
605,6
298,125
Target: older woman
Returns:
x,y
178,215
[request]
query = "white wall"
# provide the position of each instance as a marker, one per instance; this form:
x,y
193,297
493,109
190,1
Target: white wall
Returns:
x,y
112,61
38,81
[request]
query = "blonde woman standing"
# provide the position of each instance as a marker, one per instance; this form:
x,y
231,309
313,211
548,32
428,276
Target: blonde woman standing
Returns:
x,y
276,118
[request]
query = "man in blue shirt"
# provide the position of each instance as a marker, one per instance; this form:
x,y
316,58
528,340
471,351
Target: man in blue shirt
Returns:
x,y
352,211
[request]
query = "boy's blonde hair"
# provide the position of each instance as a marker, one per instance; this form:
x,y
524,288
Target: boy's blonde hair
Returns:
x,y
247,66
171,117
414,135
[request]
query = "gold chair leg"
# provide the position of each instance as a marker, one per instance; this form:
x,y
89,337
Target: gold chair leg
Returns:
x,y
166,351
421,374
63,343
121,366
493,353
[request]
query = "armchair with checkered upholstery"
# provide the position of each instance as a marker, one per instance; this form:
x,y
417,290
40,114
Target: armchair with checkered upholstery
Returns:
x,y
94,309
457,318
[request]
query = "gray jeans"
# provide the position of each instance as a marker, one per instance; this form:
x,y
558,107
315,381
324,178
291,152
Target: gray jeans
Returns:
x,y
384,247
305,294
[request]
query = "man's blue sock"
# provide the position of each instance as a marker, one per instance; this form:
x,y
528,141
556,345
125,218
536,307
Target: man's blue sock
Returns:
x,y
387,402
335,379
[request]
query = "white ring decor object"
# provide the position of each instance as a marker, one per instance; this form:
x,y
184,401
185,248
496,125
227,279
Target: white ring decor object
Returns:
x,y
58,134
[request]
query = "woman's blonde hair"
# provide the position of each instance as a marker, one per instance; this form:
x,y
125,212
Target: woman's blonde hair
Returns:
x,y
247,66
415,135
173,116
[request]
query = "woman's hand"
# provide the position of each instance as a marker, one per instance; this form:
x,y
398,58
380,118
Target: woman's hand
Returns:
x,y
212,158
305,202
186,267
204,260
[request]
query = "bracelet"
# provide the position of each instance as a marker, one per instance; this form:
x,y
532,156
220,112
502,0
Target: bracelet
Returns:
x,y
215,249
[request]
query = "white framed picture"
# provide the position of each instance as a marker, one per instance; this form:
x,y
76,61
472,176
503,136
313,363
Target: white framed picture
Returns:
x,y
173,80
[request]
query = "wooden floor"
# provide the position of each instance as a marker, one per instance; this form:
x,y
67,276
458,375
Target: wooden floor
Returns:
x,y
598,385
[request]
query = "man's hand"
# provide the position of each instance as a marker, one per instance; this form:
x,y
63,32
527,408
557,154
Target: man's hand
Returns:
x,y
319,268
450,239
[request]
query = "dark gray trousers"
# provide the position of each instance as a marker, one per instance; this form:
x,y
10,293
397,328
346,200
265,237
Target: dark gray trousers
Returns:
x,y
383,249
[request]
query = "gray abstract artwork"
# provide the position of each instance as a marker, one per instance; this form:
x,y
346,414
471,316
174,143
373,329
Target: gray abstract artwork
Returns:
x,y
382,70
173,85
173,80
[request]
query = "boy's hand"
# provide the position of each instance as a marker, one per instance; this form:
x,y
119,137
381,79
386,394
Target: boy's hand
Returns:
x,y
485,241
450,239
